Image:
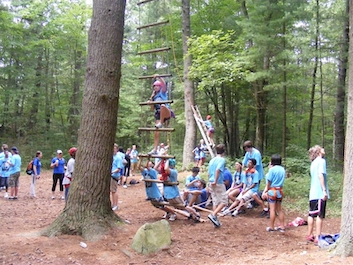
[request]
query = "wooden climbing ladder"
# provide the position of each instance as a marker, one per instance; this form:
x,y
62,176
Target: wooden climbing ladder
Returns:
x,y
154,50
203,129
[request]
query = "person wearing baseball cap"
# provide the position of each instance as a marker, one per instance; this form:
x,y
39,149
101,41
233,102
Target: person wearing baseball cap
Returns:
x,y
58,166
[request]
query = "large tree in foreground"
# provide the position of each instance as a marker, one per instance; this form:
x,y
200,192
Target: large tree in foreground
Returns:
x,y
88,211
345,243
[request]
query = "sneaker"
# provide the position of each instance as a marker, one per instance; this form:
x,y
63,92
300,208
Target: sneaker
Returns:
x,y
214,220
269,229
15,198
172,217
310,238
153,152
264,213
235,213
280,229
249,206
52,197
6,195
242,211
158,125
226,212
124,186
166,215
62,197
114,208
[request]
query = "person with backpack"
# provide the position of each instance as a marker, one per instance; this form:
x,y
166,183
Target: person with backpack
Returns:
x,y
36,167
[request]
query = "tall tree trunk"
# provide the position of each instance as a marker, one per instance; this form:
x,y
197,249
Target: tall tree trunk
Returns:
x,y
190,125
38,86
313,85
338,146
74,100
345,244
88,211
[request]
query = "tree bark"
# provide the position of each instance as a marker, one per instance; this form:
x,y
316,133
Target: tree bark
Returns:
x,y
88,210
344,246
338,146
190,125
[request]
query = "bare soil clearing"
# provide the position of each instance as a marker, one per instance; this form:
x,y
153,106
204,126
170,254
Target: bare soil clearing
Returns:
x,y
240,240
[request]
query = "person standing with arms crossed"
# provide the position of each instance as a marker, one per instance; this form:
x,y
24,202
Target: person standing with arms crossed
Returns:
x,y
319,192
58,166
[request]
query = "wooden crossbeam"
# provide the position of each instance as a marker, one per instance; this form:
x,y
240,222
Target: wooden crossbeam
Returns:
x,y
152,76
157,156
144,2
153,24
157,129
163,49
202,209
167,183
155,102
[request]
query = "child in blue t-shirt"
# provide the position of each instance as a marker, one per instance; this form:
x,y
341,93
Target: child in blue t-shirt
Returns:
x,y
273,192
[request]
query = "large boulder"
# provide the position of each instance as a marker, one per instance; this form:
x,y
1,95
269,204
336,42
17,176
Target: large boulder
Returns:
x,y
152,237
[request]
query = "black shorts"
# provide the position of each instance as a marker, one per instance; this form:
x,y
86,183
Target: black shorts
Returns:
x,y
317,208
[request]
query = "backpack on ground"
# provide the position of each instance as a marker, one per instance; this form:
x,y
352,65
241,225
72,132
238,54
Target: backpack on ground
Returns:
x,y
29,169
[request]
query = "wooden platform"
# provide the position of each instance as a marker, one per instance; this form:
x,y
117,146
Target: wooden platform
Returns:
x,y
157,156
163,49
152,76
167,183
157,129
155,102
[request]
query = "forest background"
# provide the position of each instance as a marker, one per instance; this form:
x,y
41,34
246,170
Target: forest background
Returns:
x,y
270,71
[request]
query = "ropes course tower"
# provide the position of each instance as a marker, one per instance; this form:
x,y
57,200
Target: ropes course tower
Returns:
x,y
155,49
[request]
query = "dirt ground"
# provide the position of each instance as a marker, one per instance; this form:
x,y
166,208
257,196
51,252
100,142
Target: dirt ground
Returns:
x,y
240,240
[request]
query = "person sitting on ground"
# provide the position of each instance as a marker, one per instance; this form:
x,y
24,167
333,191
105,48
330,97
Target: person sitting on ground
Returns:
x,y
197,196
273,192
227,178
162,112
210,129
191,182
250,187
238,180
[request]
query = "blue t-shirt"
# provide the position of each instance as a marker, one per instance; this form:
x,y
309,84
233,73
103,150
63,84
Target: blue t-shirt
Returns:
x,y
208,124
152,190
203,197
216,163
60,169
117,163
5,167
238,177
17,162
189,179
196,152
38,164
318,166
203,148
257,156
250,179
171,192
227,176
276,175
134,155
